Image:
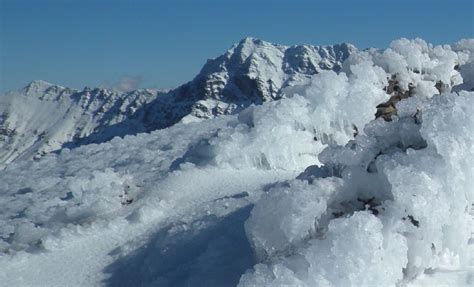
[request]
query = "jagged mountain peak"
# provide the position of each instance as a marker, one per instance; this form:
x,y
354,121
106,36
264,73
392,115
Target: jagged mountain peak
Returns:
x,y
255,71
254,47
44,91
251,41
38,87
247,46
38,83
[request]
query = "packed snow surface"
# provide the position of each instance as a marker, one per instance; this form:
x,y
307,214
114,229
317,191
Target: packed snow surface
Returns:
x,y
310,189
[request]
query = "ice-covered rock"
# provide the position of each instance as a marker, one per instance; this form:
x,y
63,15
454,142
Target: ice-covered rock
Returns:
x,y
411,181
401,205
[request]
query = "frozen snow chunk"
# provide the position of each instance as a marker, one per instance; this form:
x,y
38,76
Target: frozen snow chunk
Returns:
x,y
354,98
286,215
391,61
414,52
358,152
355,251
465,45
426,89
448,125
25,234
252,142
369,258
98,194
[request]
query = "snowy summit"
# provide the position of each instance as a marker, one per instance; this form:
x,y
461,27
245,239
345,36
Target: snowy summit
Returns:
x,y
275,166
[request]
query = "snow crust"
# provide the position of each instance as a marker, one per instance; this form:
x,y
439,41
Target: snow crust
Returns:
x,y
307,190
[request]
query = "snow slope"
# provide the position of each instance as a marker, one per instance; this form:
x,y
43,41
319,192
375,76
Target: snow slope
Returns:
x,y
309,190
43,117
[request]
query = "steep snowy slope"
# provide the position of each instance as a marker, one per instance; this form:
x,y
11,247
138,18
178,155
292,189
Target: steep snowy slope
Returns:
x,y
309,190
43,117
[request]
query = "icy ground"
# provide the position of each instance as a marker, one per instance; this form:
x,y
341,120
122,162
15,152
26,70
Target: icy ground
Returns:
x,y
309,190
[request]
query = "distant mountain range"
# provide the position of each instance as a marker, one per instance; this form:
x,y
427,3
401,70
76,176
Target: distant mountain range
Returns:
x,y
43,117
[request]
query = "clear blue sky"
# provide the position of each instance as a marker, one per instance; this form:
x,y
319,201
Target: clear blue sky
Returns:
x,y
78,43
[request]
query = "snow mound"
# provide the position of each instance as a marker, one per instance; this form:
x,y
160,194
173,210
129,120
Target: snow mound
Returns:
x,y
399,197
398,209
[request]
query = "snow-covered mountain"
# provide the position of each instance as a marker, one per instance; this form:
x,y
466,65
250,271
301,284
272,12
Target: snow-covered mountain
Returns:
x,y
44,117
251,72
360,175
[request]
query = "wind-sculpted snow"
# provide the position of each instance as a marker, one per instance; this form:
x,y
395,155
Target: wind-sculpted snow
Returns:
x,y
311,190
399,201
387,210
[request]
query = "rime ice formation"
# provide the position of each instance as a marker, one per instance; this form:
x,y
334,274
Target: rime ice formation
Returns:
x,y
327,166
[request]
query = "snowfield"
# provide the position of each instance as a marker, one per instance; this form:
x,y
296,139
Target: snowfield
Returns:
x,y
357,176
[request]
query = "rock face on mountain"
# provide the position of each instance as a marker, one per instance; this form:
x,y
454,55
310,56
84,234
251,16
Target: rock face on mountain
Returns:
x,y
251,72
43,117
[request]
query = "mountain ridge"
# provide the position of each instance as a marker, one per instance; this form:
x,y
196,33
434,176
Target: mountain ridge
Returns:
x,y
252,71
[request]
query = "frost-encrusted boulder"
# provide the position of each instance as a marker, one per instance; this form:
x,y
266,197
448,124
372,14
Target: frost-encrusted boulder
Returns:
x,y
417,67
404,182
400,196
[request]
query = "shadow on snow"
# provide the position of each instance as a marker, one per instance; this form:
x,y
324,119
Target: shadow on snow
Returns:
x,y
212,251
